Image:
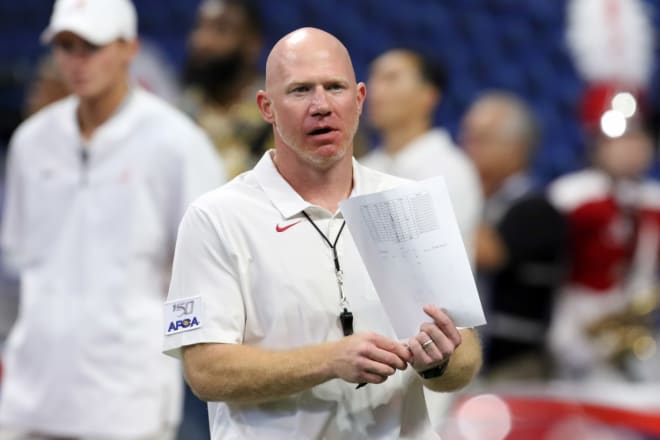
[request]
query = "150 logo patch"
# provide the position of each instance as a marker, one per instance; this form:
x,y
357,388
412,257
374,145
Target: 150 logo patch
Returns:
x,y
183,315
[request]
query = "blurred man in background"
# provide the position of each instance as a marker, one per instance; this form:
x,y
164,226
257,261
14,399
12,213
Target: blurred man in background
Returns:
x,y
221,78
405,89
96,185
520,244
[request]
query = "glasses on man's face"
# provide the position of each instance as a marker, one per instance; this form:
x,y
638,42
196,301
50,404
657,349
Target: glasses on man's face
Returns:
x,y
76,47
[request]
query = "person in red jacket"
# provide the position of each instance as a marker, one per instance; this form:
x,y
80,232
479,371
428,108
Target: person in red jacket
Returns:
x,y
612,212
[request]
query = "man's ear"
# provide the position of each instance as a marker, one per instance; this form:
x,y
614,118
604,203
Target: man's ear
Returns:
x,y
130,51
264,104
361,96
434,97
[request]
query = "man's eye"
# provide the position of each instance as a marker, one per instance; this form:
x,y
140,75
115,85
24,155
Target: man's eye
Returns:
x,y
66,46
89,47
300,89
71,47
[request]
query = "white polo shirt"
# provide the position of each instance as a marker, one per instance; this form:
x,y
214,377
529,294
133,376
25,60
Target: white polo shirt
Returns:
x,y
263,276
434,154
92,240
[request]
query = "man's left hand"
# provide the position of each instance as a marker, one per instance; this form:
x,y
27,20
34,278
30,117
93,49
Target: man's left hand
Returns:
x,y
436,340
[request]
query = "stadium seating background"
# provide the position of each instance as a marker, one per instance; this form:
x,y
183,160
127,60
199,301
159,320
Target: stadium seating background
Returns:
x,y
518,45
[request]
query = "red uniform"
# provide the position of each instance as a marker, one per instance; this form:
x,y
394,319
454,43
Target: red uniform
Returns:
x,y
604,220
613,249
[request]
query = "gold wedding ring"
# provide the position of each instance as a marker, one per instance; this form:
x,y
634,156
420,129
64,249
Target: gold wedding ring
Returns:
x,y
427,343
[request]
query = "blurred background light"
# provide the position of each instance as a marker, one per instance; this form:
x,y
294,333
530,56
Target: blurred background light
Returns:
x,y
625,103
613,123
484,417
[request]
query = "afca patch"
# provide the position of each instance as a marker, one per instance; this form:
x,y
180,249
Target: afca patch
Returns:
x,y
183,315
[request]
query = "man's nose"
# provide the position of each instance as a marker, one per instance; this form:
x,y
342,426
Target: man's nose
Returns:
x,y
320,105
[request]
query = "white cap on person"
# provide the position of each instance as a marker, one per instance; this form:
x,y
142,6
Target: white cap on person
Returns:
x,y
97,21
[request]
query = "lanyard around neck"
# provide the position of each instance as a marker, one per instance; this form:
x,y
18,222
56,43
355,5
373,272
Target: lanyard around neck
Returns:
x,y
346,317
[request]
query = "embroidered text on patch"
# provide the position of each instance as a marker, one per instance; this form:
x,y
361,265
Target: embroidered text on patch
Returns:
x,y
183,315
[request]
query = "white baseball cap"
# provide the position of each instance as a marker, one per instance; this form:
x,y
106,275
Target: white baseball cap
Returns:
x,y
97,21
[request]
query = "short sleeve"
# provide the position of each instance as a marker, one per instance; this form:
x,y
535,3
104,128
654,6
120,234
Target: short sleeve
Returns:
x,y
204,303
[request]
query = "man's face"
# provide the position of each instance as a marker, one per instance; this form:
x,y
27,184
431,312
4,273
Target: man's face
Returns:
x,y
628,156
494,152
313,103
221,32
397,92
89,71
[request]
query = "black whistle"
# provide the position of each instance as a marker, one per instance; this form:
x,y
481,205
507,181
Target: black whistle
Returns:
x,y
346,319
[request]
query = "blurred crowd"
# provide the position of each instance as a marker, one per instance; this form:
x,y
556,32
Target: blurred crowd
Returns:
x,y
567,270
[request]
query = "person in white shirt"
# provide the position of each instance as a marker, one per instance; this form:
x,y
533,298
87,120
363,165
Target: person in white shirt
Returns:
x,y
405,88
96,186
254,308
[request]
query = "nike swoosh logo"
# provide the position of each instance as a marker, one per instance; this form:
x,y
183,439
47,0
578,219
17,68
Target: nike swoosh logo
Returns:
x,y
279,228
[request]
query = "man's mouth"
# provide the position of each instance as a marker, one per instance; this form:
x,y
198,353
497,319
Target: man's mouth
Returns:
x,y
320,131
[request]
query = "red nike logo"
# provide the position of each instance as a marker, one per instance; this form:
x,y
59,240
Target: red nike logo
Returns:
x,y
279,228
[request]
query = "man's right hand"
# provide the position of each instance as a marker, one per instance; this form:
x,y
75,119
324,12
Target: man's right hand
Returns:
x,y
248,374
368,358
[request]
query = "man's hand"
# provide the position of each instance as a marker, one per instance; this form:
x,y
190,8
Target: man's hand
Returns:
x,y
435,342
491,252
368,358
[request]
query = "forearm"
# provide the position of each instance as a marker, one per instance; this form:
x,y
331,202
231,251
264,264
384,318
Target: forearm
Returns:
x,y
463,365
244,374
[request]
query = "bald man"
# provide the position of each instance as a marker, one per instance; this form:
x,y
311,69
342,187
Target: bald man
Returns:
x,y
255,310
521,242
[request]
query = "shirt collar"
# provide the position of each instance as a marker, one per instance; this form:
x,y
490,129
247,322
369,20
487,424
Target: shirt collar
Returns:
x,y
283,196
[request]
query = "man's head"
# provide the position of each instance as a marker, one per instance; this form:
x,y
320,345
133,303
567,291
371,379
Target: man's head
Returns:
x,y
225,42
499,133
94,42
404,89
614,121
312,98
628,156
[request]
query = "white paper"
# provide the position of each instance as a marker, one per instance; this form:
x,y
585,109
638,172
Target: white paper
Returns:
x,y
412,248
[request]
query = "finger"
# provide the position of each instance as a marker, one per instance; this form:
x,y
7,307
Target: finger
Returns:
x,y
395,348
367,377
420,356
370,348
368,368
387,358
441,348
429,346
444,346
423,338
444,322
433,352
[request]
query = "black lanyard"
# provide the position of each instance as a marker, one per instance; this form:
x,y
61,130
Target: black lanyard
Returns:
x,y
345,317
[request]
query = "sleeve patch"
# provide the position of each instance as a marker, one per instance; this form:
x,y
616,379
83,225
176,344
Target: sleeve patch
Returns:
x,y
183,315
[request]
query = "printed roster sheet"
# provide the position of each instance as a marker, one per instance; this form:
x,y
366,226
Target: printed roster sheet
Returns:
x,y
411,246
